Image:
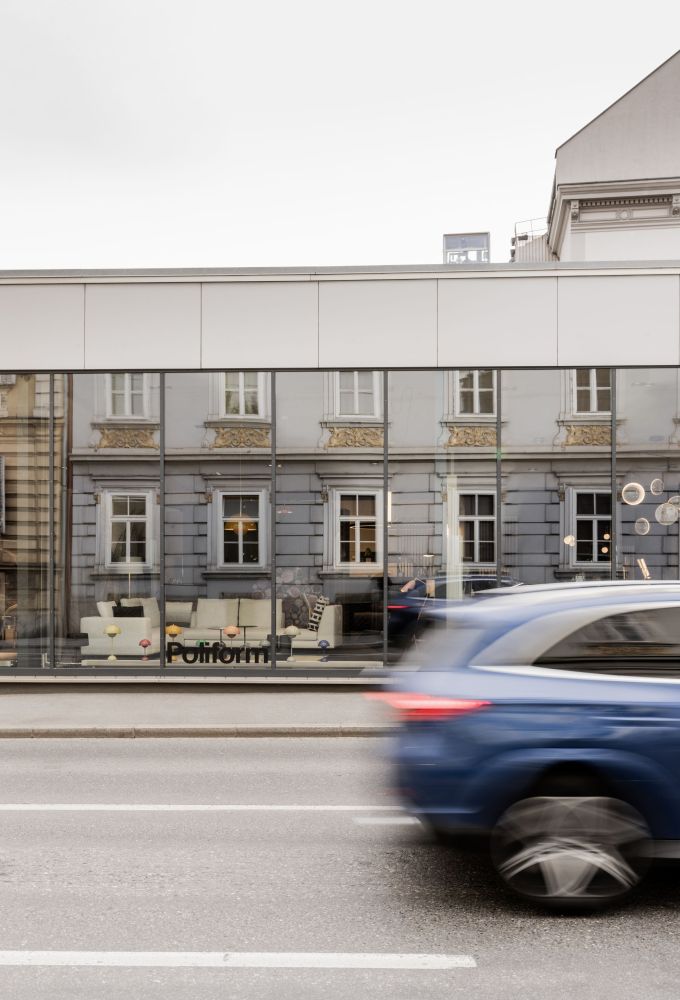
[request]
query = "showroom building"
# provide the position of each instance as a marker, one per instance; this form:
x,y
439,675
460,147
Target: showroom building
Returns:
x,y
204,471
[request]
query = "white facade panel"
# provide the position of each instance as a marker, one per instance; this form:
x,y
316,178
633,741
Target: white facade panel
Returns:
x,y
619,320
502,321
659,243
41,327
378,322
270,324
143,326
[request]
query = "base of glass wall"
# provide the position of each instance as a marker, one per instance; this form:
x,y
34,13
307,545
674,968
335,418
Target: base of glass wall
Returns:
x,y
370,675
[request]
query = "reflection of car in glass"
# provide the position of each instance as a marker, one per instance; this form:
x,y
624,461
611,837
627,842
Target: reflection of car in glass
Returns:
x,y
411,604
550,719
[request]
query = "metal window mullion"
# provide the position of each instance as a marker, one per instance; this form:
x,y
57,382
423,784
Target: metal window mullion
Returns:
x,y
613,532
272,520
385,524
161,515
498,498
50,528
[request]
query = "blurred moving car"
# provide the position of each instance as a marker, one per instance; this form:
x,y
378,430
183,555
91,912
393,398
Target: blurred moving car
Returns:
x,y
412,603
549,719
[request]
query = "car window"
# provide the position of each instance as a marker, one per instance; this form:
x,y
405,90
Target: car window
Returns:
x,y
642,643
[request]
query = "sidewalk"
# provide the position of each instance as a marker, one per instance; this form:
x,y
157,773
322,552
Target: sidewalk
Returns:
x,y
112,712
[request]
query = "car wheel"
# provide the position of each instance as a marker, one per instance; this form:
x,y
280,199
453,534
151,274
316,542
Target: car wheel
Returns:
x,y
579,852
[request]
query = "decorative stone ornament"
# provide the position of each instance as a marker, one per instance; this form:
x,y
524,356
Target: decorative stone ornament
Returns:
x,y
472,436
592,435
127,437
356,437
241,437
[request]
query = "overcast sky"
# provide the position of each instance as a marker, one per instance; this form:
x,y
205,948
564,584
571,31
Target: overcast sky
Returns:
x,y
214,133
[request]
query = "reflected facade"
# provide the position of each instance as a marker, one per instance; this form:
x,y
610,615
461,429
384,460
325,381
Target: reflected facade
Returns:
x,y
276,520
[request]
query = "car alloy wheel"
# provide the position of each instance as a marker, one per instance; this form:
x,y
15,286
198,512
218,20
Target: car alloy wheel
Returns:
x,y
571,851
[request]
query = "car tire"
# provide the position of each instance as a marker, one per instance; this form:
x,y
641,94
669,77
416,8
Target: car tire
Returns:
x,y
571,852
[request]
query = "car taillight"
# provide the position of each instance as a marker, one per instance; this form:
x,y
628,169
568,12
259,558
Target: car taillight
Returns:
x,y
398,607
414,707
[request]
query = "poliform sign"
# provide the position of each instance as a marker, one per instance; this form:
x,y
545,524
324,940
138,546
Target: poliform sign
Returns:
x,y
216,653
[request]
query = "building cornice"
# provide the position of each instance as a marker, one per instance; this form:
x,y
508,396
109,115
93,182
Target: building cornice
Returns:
x,y
571,201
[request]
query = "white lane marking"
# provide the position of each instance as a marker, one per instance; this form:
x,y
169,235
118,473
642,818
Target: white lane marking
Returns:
x,y
386,821
181,807
238,959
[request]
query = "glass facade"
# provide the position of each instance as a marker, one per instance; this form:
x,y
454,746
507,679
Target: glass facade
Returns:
x,y
287,520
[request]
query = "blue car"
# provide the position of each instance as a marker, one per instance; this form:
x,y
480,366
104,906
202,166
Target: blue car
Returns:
x,y
549,719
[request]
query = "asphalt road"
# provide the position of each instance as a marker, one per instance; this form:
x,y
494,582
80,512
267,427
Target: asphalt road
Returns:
x,y
289,877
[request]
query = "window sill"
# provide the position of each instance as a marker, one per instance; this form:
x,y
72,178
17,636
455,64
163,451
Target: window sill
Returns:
x,y
470,418
232,571
337,421
237,419
357,572
586,418
146,572
150,422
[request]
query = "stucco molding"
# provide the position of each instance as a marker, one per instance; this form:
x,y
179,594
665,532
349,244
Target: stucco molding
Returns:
x,y
589,435
471,436
239,436
355,437
126,436
572,204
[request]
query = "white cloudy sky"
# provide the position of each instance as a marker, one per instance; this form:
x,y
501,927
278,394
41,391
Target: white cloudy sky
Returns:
x,y
214,133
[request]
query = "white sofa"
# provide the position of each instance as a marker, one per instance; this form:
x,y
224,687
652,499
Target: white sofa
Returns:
x,y
126,644
132,630
215,613
251,615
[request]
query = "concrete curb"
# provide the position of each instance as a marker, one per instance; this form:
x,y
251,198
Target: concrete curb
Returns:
x,y
192,732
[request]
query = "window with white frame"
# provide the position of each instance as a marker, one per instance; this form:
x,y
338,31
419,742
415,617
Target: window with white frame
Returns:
x,y
242,394
127,395
357,532
477,527
241,529
592,390
592,526
476,392
357,394
128,529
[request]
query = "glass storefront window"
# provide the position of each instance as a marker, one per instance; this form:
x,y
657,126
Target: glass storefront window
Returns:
x,y
556,477
107,504
311,519
329,518
25,528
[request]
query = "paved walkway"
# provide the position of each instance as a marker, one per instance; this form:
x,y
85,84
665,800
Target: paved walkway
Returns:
x,y
47,711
